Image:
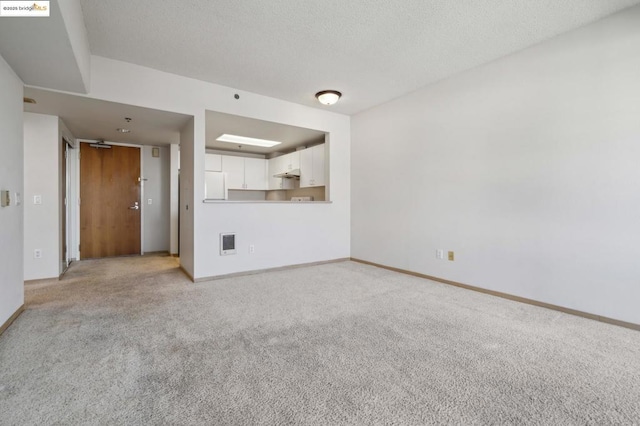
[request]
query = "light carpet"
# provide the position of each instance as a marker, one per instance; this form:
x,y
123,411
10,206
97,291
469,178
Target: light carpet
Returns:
x,y
133,341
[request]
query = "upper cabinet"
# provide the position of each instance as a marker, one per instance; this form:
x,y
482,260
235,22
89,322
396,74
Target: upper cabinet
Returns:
x,y
213,162
234,168
290,161
255,173
312,166
283,164
278,165
245,173
273,167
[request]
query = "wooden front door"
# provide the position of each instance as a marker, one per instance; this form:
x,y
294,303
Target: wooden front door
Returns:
x,y
109,201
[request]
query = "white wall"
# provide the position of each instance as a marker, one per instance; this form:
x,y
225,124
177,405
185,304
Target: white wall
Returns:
x,y
155,219
527,168
43,159
187,208
283,234
41,222
11,178
174,171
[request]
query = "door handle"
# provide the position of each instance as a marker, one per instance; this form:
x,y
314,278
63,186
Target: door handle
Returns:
x,y
135,206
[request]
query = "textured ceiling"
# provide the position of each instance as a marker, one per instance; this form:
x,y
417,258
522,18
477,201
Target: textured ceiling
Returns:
x,y
371,50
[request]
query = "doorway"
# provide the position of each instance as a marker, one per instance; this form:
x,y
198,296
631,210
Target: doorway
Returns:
x,y
110,208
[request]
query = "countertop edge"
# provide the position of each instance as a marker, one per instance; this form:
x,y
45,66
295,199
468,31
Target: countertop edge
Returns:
x,y
205,201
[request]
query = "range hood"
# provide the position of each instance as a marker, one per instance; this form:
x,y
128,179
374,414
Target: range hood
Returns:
x,y
290,174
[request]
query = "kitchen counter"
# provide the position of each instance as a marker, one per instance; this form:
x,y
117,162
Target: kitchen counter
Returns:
x,y
263,202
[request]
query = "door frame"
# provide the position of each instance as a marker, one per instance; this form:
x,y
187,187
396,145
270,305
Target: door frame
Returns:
x,y
141,180
65,220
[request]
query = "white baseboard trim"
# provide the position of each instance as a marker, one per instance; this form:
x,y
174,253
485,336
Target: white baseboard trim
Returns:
x,y
11,319
260,271
600,318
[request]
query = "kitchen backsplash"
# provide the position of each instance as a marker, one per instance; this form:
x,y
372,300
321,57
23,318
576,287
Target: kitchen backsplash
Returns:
x,y
316,192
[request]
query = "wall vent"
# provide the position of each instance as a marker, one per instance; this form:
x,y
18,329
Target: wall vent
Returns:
x,y
227,243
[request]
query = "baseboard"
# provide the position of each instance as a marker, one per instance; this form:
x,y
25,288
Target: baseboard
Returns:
x,y
508,296
41,280
187,273
278,268
156,253
11,319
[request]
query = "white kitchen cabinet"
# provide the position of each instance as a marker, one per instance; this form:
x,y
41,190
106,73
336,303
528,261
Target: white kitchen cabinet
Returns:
x,y
213,162
245,173
306,167
291,161
318,165
274,164
255,173
278,165
312,166
234,168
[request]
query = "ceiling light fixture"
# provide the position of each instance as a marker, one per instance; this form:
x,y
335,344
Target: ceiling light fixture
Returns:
x,y
247,141
123,130
328,97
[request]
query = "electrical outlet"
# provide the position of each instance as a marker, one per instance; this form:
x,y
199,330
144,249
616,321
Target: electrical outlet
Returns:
x,y
37,254
451,256
252,248
439,254
150,201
